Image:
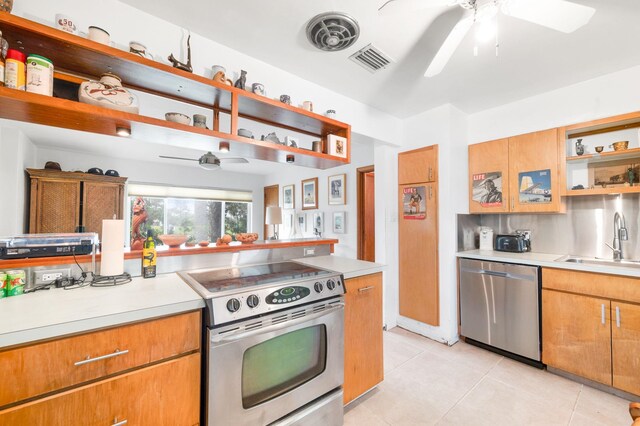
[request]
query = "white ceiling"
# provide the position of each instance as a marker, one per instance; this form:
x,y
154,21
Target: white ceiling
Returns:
x,y
532,59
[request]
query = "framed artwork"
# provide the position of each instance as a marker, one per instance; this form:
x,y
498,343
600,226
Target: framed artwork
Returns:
x,y
414,205
339,222
337,189
310,194
318,223
487,189
288,197
337,146
535,187
302,223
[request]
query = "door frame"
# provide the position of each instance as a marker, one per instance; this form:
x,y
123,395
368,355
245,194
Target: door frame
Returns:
x,y
360,173
265,227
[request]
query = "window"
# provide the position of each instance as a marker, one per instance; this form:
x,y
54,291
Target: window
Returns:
x,y
201,214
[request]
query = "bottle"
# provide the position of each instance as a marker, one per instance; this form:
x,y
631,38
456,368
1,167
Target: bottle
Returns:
x,y
15,75
149,257
3,54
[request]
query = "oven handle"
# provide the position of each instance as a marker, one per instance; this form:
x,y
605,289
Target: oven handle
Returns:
x,y
241,335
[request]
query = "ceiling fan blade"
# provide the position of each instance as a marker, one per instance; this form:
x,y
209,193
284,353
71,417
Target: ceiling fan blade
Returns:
x,y
233,160
449,46
559,15
178,158
390,7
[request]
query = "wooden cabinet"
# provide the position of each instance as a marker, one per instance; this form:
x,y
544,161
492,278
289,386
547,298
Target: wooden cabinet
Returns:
x,y
62,201
591,326
525,168
145,373
363,362
420,165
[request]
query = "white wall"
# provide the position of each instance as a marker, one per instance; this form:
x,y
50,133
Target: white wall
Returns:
x,y
17,152
361,155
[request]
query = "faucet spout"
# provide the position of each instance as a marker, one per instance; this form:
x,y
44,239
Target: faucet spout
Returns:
x,y
620,233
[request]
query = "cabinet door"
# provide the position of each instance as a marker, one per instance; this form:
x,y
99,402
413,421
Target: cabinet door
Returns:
x,y
55,206
534,172
100,201
418,257
489,177
363,365
576,334
626,346
420,165
164,394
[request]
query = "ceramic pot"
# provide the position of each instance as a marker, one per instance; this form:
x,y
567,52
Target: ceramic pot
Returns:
x,y
285,99
200,120
220,75
65,23
579,147
258,89
99,35
139,49
6,5
108,93
176,117
308,105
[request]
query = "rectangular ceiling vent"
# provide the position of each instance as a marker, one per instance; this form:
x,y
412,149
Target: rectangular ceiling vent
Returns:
x,y
371,58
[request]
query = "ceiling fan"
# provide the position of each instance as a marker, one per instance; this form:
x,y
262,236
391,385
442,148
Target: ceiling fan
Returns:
x,y
209,161
559,15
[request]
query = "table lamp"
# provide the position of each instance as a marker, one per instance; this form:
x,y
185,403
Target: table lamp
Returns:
x,y
274,217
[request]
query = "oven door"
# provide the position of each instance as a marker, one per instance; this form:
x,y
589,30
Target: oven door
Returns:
x,y
257,376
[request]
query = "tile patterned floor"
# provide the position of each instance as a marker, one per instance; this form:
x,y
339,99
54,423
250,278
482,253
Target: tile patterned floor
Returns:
x,y
428,383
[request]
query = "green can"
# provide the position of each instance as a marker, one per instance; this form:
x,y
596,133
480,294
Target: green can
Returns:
x,y
3,285
15,283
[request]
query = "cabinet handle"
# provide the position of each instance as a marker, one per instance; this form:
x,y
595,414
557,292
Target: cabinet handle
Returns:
x,y
98,358
119,423
363,289
513,203
430,173
602,313
618,316
430,192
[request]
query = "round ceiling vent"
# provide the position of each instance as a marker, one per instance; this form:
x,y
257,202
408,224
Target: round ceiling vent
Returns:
x,y
332,31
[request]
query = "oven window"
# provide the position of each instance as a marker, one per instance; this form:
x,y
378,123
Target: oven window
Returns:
x,y
283,363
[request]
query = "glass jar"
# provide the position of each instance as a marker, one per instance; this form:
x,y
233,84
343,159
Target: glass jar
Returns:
x,y
4,46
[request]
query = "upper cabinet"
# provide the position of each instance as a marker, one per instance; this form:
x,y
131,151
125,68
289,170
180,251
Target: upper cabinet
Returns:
x,y
420,165
520,174
77,59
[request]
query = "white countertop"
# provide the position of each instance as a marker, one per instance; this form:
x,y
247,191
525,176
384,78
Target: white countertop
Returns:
x,y
350,268
57,312
548,261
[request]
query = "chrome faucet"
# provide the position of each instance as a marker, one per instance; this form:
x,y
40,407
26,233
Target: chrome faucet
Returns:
x,y
619,234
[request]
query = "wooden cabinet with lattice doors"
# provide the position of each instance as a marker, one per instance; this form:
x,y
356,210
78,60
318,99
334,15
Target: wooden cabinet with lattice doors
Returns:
x,y
63,201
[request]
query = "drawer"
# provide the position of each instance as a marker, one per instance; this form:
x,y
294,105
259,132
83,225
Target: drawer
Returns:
x,y
614,287
37,369
163,394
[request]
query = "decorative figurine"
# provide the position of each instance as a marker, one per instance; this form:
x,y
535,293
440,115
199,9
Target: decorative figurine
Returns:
x,y
579,147
220,75
242,81
631,175
285,99
180,65
271,137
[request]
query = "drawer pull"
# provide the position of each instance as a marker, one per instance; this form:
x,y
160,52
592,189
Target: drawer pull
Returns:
x,y
618,316
119,423
98,358
603,316
363,289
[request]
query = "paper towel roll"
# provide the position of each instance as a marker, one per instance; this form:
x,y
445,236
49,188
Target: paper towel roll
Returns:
x,y
112,253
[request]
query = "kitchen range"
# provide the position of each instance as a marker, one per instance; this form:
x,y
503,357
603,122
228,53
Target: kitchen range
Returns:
x,y
274,344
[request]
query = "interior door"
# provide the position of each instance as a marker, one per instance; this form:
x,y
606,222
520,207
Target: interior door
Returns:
x,y
271,198
366,214
625,326
418,254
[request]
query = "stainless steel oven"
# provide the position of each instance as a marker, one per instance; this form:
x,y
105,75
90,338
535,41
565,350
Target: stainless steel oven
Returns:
x,y
275,344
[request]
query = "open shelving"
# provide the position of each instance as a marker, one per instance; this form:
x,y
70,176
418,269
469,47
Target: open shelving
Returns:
x,y
77,59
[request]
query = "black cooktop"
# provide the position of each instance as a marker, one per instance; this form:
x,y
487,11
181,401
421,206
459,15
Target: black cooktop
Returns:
x,y
247,276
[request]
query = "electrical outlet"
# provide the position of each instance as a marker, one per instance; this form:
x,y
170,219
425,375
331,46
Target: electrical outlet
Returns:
x,y
309,252
50,275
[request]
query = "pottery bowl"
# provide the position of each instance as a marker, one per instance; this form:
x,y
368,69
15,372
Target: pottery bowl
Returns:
x,y
176,117
620,146
599,149
204,243
245,133
173,240
246,238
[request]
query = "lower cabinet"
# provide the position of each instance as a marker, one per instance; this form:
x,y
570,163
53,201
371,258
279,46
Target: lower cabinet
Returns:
x,y
591,326
363,366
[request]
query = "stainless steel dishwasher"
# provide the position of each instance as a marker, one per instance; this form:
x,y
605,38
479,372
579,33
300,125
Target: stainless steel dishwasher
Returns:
x,y
500,306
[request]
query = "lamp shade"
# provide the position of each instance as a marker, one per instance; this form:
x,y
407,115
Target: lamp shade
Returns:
x,y
274,216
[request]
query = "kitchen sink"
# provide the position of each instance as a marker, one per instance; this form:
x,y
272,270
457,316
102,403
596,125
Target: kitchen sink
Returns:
x,y
626,263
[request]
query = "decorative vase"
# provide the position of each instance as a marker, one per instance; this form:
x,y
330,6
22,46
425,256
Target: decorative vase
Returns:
x,y
6,5
579,147
108,93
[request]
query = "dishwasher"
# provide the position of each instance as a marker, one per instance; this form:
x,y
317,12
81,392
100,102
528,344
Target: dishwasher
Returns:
x,y
500,307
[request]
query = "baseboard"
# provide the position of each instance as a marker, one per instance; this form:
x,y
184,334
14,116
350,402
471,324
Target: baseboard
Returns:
x,y
602,387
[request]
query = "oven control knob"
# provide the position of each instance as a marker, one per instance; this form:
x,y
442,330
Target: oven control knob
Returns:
x,y
331,284
253,301
233,305
318,287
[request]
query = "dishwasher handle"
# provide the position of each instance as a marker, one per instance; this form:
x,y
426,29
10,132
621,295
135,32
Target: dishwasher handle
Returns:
x,y
494,273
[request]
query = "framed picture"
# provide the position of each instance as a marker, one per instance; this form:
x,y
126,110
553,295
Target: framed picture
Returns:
x,y
310,194
288,197
338,189
337,146
535,187
302,222
339,222
318,223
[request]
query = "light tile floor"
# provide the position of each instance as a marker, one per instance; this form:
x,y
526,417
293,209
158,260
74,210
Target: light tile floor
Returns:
x,y
428,383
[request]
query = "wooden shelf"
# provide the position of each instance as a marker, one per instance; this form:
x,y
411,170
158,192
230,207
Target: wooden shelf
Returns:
x,y
87,59
610,190
603,125
605,156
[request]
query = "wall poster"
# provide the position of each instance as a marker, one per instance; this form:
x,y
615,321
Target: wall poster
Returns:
x,y
534,187
487,189
414,206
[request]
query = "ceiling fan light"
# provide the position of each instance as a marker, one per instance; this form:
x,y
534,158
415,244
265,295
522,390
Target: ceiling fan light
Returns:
x,y
209,166
486,30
